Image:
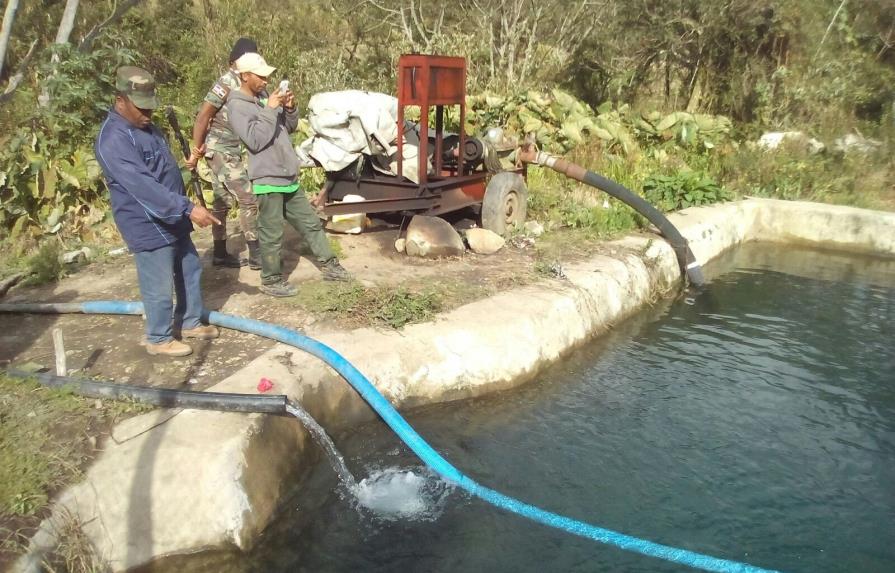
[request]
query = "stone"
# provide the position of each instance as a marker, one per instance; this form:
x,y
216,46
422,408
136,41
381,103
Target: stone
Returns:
x,y
73,256
484,242
533,228
775,139
432,237
853,143
400,244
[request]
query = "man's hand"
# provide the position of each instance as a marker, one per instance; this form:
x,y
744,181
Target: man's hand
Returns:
x,y
289,100
275,99
202,216
195,154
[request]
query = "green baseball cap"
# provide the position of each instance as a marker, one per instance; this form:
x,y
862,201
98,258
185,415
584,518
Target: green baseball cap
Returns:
x,y
138,85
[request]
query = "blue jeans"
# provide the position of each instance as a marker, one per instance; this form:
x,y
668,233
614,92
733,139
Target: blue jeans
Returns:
x,y
175,268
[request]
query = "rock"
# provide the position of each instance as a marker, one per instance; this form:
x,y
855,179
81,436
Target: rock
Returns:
x,y
432,237
533,228
854,143
484,242
74,256
121,250
400,244
775,139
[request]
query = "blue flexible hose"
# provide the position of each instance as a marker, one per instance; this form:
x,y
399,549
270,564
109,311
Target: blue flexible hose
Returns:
x,y
413,440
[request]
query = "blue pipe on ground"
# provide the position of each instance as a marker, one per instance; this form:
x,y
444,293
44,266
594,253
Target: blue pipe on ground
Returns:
x,y
413,440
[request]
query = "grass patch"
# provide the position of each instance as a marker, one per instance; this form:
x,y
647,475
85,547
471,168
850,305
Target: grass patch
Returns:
x,y
45,438
384,306
42,438
673,177
336,246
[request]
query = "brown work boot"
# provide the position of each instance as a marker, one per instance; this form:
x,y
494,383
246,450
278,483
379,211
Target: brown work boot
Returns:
x,y
204,332
170,348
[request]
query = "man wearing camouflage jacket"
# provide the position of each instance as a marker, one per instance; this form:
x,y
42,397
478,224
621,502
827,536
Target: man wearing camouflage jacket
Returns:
x,y
214,139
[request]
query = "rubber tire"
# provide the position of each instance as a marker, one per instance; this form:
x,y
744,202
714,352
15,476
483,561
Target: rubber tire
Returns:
x,y
506,202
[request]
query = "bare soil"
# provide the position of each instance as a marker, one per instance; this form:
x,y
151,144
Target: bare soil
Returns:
x,y
109,347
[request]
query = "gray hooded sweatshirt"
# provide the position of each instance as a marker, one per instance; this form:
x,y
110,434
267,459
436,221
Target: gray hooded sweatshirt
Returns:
x,y
265,133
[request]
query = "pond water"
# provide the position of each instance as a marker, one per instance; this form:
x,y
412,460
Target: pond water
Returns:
x,y
753,421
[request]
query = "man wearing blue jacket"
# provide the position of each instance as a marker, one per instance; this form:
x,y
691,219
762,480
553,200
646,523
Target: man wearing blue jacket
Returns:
x,y
153,214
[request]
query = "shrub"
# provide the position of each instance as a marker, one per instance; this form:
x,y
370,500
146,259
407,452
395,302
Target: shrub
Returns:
x,y
683,189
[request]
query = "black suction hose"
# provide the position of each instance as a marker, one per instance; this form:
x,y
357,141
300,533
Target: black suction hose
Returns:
x,y
690,267
163,397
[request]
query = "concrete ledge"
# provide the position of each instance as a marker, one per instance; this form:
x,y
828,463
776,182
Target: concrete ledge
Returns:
x,y
204,479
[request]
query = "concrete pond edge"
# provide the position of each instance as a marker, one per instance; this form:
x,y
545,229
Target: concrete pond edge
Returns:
x,y
173,484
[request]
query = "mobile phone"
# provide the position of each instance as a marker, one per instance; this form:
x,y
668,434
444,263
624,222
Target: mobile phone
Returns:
x,y
284,86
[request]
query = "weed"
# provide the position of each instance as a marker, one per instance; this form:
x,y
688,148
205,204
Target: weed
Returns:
x,y
74,552
33,461
46,264
44,440
683,189
378,305
336,247
548,263
562,202
396,308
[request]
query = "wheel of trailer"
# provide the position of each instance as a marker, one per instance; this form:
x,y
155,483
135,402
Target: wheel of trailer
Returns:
x,y
505,203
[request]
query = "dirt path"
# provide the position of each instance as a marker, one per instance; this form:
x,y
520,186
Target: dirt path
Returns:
x,y
109,347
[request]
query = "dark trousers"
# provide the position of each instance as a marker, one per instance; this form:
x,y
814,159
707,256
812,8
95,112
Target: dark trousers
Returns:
x,y
273,208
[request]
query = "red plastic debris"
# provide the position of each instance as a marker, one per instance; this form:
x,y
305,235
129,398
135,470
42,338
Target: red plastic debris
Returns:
x,y
264,385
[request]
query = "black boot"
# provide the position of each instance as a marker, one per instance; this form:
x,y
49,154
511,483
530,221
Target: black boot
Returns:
x,y
222,258
254,255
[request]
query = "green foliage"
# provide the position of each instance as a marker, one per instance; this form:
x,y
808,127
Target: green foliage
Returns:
x,y
683,189
765,63
50,180
34,461
864,181
560,122
46,264
385,306
559,202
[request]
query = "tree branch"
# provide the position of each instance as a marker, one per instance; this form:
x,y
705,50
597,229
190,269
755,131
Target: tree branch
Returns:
x,y
117,14
8,17
16,79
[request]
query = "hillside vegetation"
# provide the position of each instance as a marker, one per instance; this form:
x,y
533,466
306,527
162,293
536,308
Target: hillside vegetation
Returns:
x,y
663,96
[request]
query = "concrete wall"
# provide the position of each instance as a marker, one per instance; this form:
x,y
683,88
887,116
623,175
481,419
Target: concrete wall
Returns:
x,y
204,479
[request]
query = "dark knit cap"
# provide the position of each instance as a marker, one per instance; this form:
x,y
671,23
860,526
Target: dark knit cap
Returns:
x,y
242,46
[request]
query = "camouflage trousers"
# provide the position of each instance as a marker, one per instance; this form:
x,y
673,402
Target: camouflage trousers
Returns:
x,y
230,180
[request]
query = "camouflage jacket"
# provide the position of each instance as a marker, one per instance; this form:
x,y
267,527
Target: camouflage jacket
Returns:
x,y
220,136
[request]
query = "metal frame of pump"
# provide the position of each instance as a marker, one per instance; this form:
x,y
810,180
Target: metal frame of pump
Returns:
x,y
424,81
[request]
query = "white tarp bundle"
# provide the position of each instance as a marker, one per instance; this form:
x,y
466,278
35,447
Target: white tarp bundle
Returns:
x,y
350,123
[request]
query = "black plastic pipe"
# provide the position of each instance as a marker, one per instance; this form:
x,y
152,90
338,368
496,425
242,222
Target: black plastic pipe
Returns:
x,y
162,397
690,267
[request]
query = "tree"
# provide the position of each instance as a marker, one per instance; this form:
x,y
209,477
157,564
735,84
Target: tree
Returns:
x,y
8,17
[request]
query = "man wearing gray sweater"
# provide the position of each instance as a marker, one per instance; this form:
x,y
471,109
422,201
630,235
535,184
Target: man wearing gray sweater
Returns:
x,y
264,128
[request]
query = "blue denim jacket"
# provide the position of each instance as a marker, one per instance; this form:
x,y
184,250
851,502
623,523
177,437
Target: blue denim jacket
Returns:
x,y
148,198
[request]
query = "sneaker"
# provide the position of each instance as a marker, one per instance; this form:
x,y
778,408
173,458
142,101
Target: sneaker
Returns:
x,y
229,261
170,348
204,332
333,271
280,289
254,263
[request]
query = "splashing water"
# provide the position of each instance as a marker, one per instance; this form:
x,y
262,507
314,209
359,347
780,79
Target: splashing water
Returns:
x,y
322,438
390,493
394,493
